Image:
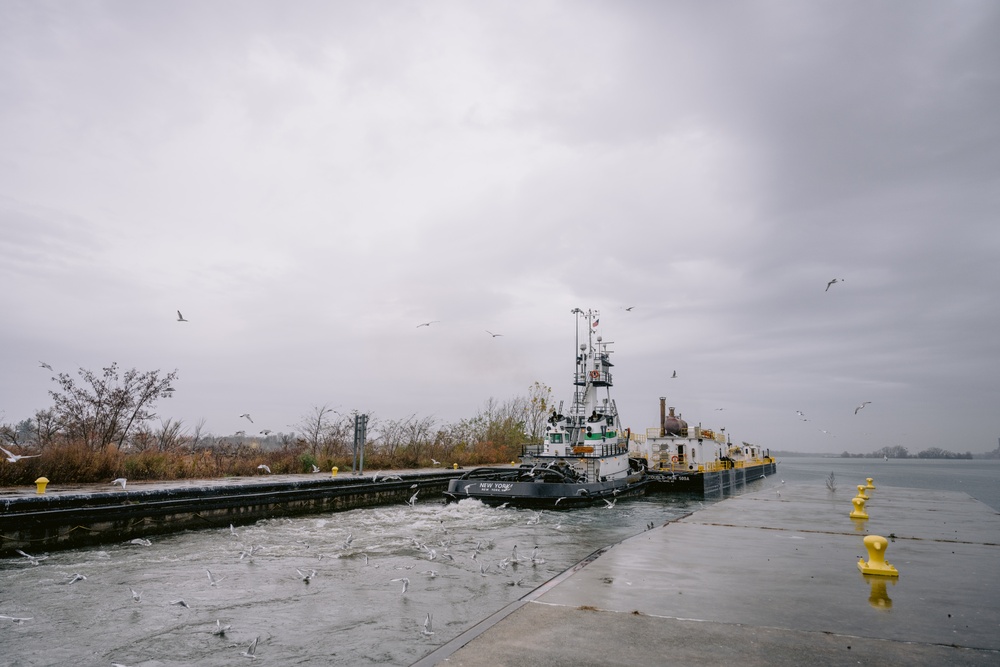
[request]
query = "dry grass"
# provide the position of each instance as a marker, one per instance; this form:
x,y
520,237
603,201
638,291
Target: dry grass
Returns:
x,y
73,463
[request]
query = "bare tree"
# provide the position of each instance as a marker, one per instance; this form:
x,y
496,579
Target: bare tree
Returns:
x,y
316,427
105,409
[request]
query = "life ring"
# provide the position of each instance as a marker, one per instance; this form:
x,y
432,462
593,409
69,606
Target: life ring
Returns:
x,y
673,459
594,375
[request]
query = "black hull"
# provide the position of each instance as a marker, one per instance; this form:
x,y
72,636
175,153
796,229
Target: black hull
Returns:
x,y
495,487
708,483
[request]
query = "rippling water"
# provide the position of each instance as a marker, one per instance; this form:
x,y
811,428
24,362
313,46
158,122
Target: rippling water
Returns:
x,y
351,613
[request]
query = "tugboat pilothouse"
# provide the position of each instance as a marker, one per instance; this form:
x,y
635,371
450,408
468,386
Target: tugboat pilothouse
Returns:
x,y
584,457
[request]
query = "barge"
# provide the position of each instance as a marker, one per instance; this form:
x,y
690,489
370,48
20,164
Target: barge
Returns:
x,y
679,457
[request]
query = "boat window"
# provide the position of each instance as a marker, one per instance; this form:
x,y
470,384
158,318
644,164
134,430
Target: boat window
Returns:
x,y
557,437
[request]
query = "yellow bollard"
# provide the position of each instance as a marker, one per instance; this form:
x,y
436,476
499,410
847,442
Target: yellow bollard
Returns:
x,y
876,544
454,466
859,508
40,484
334,471
861,491
869,485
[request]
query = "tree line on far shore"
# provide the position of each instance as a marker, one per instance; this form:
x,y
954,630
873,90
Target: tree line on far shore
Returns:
x,y
102,426
901,452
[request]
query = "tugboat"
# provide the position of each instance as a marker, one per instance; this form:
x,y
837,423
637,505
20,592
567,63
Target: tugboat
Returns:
x,y
584,458
697,459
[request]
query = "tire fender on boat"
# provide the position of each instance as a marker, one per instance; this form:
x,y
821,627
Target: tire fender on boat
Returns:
x,y
673,459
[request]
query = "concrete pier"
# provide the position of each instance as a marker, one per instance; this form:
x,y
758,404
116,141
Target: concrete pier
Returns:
x,y
769,578
65,517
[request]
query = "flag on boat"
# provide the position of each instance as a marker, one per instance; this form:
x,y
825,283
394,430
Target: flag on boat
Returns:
x,y
596,322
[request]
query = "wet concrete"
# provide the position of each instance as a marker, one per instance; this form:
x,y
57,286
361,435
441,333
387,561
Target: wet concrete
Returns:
x,y
769,578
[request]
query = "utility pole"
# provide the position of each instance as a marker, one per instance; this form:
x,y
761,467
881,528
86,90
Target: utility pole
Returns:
x,y
360,437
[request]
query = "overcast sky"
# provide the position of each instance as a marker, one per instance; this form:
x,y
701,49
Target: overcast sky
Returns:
x,y
307,182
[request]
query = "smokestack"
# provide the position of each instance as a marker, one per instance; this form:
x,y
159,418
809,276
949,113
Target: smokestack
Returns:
x,y
663,416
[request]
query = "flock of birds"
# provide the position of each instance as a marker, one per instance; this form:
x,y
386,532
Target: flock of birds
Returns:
x,y
445,552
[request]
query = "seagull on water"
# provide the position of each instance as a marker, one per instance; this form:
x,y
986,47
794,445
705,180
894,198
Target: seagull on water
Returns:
x,y
863,404
181,603
14,458
121,481
427,626
833,282
306,577
251,650
427,324
180,318
16,619
264,468
406,583
136,595
220,629
75,578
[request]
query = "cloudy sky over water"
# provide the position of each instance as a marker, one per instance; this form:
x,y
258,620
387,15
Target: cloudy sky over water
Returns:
x,y
307,182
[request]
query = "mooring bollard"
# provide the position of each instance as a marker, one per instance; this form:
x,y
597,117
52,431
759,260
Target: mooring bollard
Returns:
x,y
859,508
334,471
869,485
861,491
40,485
454,466
876,544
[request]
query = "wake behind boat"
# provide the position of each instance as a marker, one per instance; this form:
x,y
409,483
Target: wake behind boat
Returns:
x,y
584,457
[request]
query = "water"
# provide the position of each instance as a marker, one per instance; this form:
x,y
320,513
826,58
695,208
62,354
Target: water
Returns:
x,y
351,613
979,478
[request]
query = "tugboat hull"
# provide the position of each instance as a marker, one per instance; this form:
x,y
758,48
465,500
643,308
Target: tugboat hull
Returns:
x,y
499,486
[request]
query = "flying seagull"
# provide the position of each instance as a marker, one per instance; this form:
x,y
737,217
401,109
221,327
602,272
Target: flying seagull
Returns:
x,y
833,282
75,578
264,468
220,629
413,499
247,415
14,458
306,577
212,579
251,650
629,309
406,583
266,432
180,318
491,333
181,603
427,324
674,375
42,364
34,560
610,503
315,468
121,481
863,404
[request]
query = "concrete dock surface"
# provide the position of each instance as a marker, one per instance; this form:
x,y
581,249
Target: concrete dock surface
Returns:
x,y
768,578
